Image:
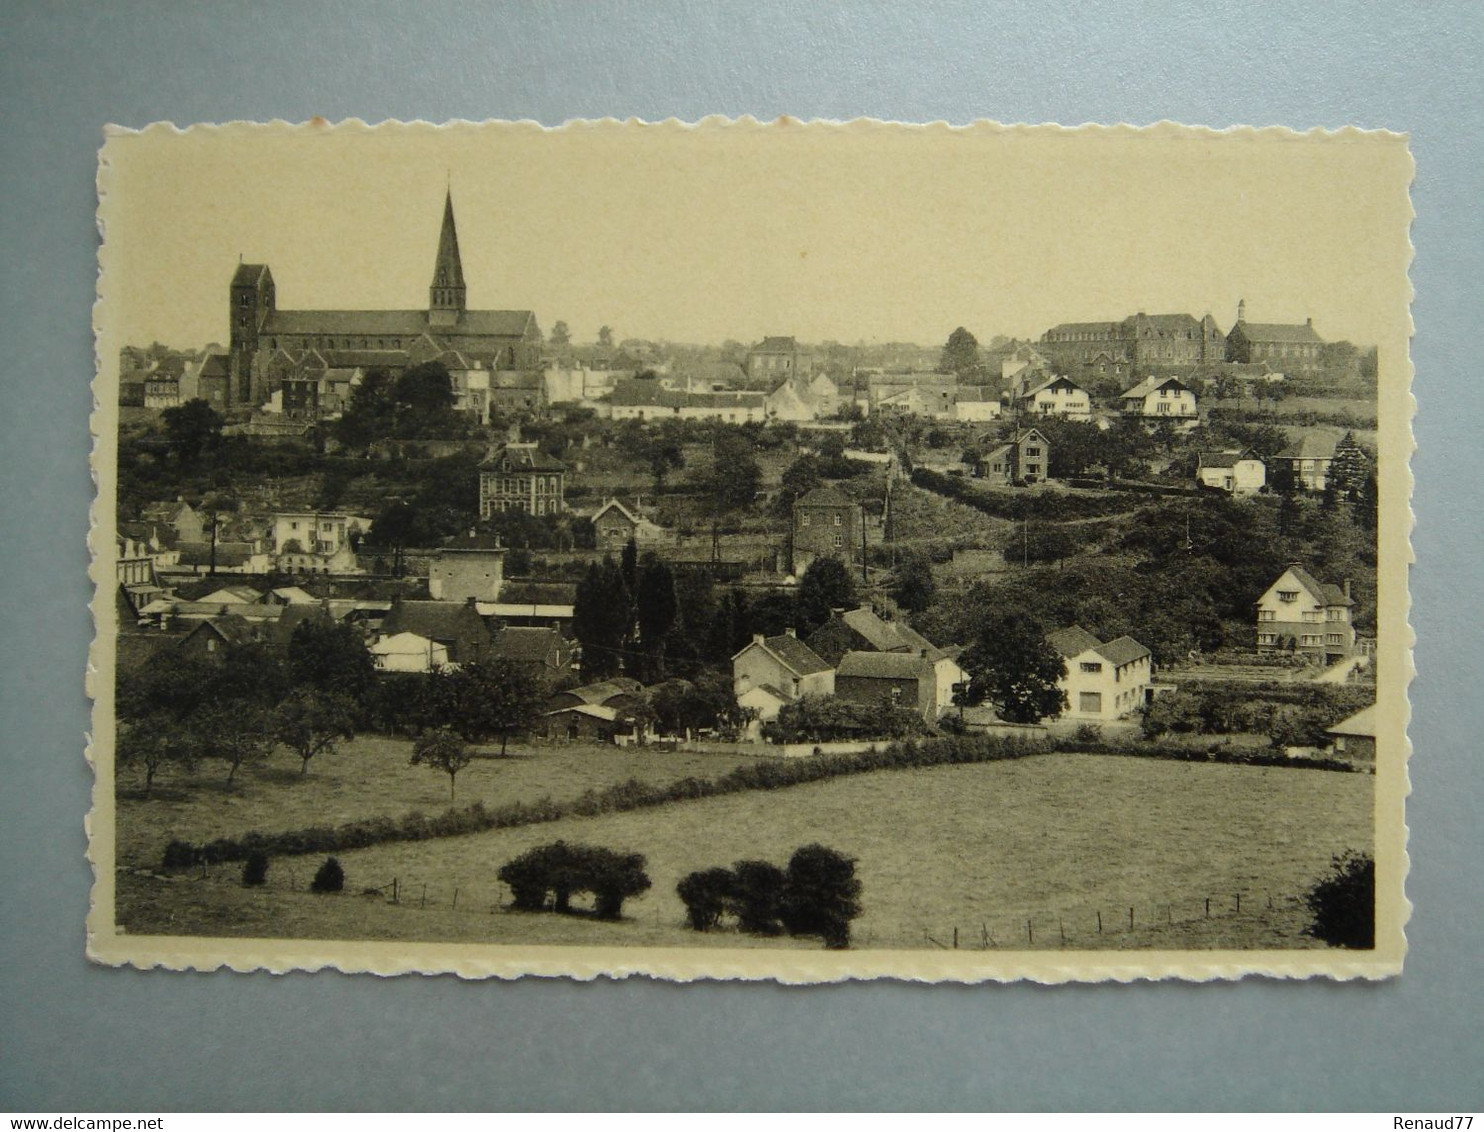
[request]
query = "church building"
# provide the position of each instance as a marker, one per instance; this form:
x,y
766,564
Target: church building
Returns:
x,y
268,344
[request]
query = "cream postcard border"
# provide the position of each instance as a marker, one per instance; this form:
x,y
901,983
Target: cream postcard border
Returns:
x,y
1395,444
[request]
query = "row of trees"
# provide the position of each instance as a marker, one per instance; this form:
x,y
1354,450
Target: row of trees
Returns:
x,y
817,895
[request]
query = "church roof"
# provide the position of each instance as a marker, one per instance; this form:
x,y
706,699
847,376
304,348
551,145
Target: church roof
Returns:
x,y
405,324
1278,332
448,249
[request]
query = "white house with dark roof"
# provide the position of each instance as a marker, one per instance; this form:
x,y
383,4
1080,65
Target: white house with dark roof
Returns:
x,y
1299,613
1161,399
772,671
1235,471
1103,681
1056,397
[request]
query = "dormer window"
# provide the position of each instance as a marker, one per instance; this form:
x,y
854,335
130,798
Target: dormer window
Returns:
x,y
1288,595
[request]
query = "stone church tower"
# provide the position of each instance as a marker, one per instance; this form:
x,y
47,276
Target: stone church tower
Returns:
x,y
446,294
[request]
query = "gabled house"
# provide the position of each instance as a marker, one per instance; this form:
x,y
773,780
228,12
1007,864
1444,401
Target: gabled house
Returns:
x,y
317,542
1293,347
456,625
922,681
1355,736
212,638
1103,681
976,403
862,630
1160,399
1299,613
614,524
545,650
1236,472
408,652
179,516
521,477
1055,397
1025,458
772,671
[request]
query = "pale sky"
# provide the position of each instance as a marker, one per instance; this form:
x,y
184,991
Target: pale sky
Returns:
x,y
700,235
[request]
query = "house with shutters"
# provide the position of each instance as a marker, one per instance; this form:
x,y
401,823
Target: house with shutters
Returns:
x,y
1298,613
770,672
1235,471
1103,681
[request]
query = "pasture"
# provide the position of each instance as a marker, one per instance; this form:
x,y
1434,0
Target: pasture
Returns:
x,y
1054,839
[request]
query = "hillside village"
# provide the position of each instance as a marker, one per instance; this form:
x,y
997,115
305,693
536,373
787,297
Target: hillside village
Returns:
x,y
773,543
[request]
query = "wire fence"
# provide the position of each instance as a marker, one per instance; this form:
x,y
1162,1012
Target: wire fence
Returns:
x,y
1243,918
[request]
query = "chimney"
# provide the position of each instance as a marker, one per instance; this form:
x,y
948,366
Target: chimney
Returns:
x,y
758,638
789,632
1241,310
1309,322
1345,588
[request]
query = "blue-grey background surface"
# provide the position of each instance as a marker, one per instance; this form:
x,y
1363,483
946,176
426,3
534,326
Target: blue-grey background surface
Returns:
x,y
75,1037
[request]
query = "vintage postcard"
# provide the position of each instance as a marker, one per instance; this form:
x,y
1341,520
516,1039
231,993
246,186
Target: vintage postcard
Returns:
x,y
797,551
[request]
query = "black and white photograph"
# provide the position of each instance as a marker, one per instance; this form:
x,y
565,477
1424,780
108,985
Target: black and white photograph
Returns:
x,y
796,551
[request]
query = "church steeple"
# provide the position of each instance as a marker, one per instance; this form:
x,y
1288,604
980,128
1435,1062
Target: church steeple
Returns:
x,y
446,295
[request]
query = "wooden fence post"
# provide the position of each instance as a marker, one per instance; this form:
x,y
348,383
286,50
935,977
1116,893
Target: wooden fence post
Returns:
x,y
456,898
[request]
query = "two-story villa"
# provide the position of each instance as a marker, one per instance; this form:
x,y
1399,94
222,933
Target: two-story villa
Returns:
x,y
1299,613
521,477
1237,472
317,542
1103,682
1057,397
1160,398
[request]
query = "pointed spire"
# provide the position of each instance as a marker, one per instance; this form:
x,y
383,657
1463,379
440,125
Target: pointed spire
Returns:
x,y
446,294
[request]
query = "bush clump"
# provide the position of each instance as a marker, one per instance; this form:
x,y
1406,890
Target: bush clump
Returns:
x,y
548,876
180,855
818,895
329,878
1343,903
255,869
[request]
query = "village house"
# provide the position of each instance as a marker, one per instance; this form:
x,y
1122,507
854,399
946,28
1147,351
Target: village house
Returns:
x,y
827,523
773,671
544,649
543,605
521,477
456,625
212,637
1024,458
187,523
976,403
317,542
778,357
1236,472
1161,399
862,630
1055,397
1355,736
1304,464
470,566
1103,682
408,652
1298,613
1293,348
602,712
922,680
615,524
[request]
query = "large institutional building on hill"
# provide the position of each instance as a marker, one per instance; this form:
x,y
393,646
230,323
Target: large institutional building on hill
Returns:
x,y
268,344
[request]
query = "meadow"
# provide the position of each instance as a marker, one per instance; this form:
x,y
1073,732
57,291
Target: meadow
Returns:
x,y
1042,851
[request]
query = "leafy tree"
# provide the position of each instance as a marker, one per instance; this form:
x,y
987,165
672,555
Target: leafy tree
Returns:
x,y
311,722
424,390
605,337
561,334
444,751
602,619
913,587
498,696
153,743
731,627
400,525
255,869
826,719
757,896
960,353
706,895
1010,663
825,587
822,895
235,733
371,413
192,430
662,449
330,658
1343,904
733,479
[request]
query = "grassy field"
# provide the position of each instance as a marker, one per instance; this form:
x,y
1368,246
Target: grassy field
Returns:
x,y
1054,840
372,777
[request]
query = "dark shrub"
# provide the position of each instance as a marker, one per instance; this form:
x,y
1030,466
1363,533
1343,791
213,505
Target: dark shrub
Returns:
x,y
330,878
822,895
255,870
563,870
613,878
179,855
706,895
1343,904
757,896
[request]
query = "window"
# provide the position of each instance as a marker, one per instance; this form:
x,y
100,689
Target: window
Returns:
x,y
1091,702
1311,617
1309,639
1267,638
1091,666
804,519
1288,595
1266,615
1032,451
1336,638
839,540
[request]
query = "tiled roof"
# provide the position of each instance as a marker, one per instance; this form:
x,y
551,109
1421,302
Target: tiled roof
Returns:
x,y
882,665
473,542
227,553
1310,446
526,457
529,644
1278,332
1324,592
437,620
1150,384
776,344
235,630
1123,650
596,711
1224,459
1074,640
407,324
824,496
796,655
1361,723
